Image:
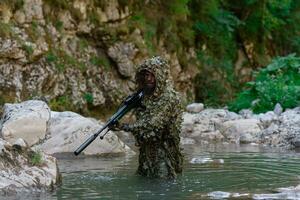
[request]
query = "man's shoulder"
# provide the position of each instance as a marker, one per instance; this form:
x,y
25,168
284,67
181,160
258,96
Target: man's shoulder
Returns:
x,y
172,96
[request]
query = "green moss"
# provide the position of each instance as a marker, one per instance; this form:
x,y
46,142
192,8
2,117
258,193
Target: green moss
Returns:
x,y
36,158
59,25
88,97
13,4
6,30
63,60
82,44
33,31
62,103
58,4
28,49
100,61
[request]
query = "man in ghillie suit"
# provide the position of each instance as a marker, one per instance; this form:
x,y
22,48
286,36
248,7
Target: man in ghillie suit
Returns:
x,y
158,122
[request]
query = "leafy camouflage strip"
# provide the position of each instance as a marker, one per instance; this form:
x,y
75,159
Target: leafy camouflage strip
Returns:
x,y
158,126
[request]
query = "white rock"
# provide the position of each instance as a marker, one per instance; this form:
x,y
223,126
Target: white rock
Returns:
x,y
33,10
200,160
26,120
185,141
18,172
278,109
20,142
219,195
195,107
246,113
267,118
232,130
68,130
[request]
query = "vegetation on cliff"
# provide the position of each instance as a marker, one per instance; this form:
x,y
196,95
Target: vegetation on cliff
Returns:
x,y
213,47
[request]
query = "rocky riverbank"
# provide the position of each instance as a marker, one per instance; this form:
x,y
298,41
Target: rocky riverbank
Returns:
x,y
275,128
30,129
22,168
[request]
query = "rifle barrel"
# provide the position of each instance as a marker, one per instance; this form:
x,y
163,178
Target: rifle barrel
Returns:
x,y
89,141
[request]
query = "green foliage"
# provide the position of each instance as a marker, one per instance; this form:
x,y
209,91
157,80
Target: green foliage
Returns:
x,y
62,60
100,61
58,4
6,30
279,82
88,97
61,103
82,44
59,25
28,49
36,158
13,4
33,31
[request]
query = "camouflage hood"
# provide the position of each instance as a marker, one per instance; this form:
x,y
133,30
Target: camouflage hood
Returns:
x,y
160,69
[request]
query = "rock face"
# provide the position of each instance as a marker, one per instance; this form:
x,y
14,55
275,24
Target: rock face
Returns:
x,y
27,120
22,168
74,53
68,130
274,128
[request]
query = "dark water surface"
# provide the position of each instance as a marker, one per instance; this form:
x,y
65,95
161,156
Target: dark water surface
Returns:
x,y
235,169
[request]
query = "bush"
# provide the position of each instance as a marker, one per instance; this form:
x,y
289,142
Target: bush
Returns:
x,y
279,82
36,158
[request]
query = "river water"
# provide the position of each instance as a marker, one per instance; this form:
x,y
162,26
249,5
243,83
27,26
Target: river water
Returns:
x,y
208,168
210,172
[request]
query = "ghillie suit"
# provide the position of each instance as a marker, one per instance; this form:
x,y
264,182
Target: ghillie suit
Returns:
x,y
158,124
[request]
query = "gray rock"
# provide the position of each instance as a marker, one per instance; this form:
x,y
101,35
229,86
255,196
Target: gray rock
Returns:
x,y
19,171
219,195
278,109
68,130
122,53
185,141
233,130
27,120
267,118
20,142
195,107
246,113
33,10
285,131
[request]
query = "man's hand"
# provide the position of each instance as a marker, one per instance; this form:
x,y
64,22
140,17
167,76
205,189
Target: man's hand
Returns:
x,y
125,127
118,127
115,127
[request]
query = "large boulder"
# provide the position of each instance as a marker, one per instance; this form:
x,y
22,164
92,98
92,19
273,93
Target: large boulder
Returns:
x,y
68,130
202,126
21,169
27,120
195,107
242,130
285,131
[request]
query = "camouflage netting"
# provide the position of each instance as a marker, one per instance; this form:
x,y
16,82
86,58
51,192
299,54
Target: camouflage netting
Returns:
x,y
158,125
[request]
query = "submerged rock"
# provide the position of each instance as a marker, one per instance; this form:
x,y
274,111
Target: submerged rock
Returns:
x,y
21,169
